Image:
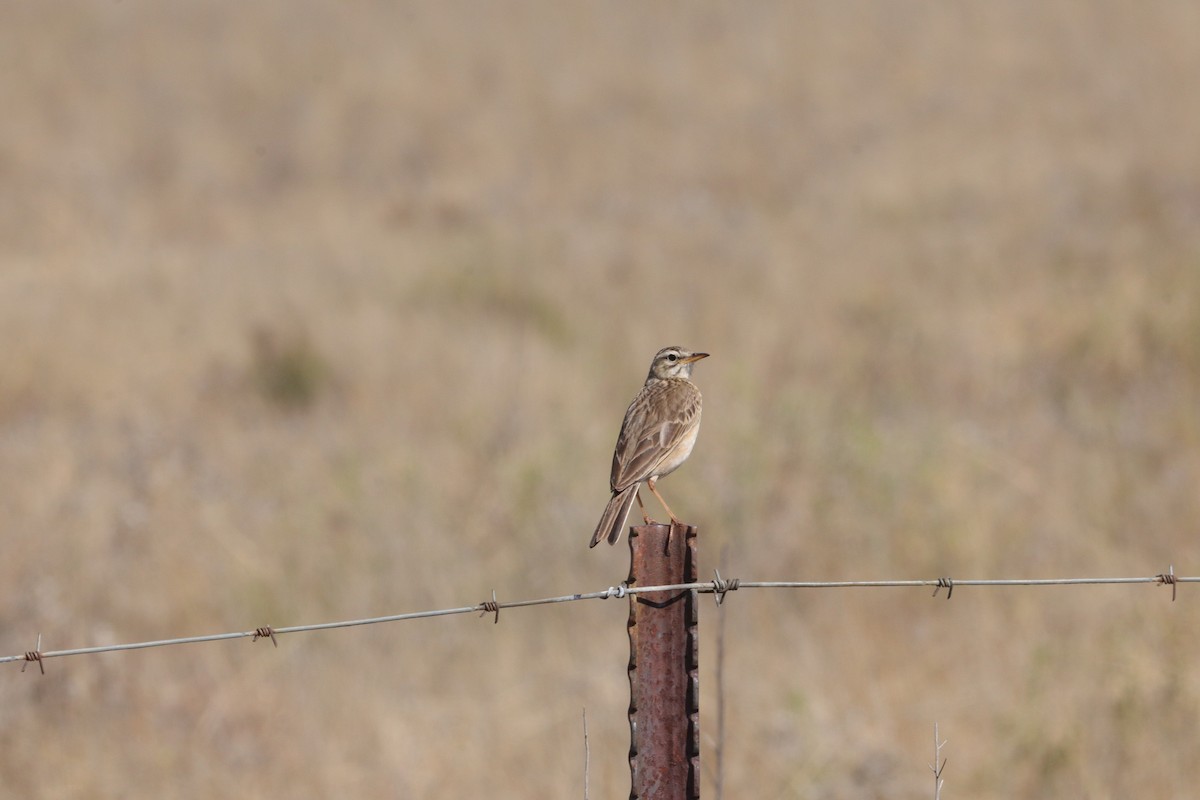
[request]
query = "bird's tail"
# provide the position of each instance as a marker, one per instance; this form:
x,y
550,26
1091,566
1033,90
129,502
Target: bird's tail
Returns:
x,y
612,522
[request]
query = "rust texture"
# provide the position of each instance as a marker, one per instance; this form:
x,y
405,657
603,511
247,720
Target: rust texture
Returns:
x,y
664,684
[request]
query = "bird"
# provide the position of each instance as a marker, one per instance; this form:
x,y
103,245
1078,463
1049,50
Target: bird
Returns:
x,y
657,435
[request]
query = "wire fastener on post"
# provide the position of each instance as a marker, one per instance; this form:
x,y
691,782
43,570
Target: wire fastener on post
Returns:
x,y
944,583
618,592
1168,577
720,586
265,632
491,607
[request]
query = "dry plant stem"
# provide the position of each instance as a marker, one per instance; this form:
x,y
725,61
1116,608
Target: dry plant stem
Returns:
x,y
935,767
587,756
719,783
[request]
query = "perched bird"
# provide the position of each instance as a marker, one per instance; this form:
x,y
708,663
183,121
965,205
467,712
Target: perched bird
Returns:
x,y
656,436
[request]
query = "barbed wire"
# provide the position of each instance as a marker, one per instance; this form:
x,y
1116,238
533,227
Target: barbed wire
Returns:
x,y
719,587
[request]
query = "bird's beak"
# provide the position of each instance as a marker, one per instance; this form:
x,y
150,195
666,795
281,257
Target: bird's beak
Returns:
x,y
694,357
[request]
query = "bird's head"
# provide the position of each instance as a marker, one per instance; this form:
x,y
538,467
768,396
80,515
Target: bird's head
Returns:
x,y
674,362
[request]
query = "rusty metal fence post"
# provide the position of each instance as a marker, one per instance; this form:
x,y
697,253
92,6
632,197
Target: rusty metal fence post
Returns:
x,y
664,677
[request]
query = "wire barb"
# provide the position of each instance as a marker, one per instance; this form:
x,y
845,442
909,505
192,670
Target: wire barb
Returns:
x,y
266,631
615,591
35,655
944,583
490,607
720,586
1168,578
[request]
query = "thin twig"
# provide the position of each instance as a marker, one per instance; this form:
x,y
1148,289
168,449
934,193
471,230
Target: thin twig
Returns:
x,y
719,783
935,767
587,756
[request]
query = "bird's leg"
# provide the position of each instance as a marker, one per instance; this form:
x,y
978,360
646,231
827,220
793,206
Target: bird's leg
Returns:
x,y
645,517
674,520
650,485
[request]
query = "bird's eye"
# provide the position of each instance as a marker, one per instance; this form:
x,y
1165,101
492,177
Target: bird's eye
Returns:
x,y
672,357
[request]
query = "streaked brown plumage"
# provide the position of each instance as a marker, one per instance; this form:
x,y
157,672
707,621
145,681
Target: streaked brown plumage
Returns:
x,y
656,436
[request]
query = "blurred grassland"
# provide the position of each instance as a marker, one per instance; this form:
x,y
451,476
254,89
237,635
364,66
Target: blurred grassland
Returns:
x,y
316,311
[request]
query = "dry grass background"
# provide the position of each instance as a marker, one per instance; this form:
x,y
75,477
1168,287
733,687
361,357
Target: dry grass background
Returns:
x,y
313,311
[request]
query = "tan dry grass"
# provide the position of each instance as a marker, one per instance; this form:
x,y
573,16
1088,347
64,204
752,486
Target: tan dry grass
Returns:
x,y
948,262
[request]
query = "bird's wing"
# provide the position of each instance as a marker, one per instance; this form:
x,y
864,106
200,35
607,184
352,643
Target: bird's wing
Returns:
x,y
651,430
